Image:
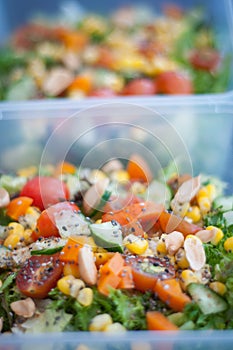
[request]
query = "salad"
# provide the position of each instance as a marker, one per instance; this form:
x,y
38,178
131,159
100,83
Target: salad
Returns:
x,y
133,51
114,249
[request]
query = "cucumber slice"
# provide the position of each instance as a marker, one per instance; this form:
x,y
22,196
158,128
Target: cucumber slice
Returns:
x,y
46,251
178,318
108,235
208,301
105,197
159,192
228,216
226,203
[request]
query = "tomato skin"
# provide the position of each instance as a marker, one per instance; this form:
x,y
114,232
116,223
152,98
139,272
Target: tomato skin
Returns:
x,y
170,222
174,83
140,86
46,222
205,59
45,191
102,92
145,281
39,275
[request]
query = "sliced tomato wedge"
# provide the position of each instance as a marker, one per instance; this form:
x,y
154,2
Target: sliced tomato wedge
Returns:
x,y
46,226
174,83
39,275
140,86
170,222
206,59
45,191
146,213
147,270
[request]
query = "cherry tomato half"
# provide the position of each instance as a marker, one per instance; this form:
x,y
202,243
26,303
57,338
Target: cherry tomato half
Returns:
x,y
147,270
174,83
139,86
206,59
39,275
46,225
45,191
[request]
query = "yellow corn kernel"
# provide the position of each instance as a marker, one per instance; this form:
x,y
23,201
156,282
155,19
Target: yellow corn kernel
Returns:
x,y
12,241
85,296
204,204
99,221
211,191
218,234
97,175
64,283
136,245
33,211
187,277
100,322
138,188
27,172
161,246
228,244
218,287
181,260
115,327
132,62
27,235
202,192
15,228
120,176
194,213
71,269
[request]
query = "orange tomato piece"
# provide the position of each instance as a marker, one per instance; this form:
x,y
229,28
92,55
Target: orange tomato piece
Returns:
x,y
107,281
82,83
170,222
138,169
156,321
126,276
113,265
69,253
170,292
65,168
18,206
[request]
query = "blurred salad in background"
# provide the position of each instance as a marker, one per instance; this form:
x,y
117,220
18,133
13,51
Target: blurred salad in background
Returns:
x,y
129,52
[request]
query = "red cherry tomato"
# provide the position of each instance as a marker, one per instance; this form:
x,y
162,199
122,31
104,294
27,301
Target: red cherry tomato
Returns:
x,y
45,191
141,86
206,59
174,83
46,224
146,271
39,275
103,92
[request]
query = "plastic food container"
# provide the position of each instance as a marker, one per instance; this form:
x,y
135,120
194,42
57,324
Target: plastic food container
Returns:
x,y
219,15
199,136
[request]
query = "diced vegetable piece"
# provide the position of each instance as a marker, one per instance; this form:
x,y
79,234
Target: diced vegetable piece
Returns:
x,y
18,206
138,169
157,321
170,222
70,252
108,235
113,265
106,282
208,301
169,291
